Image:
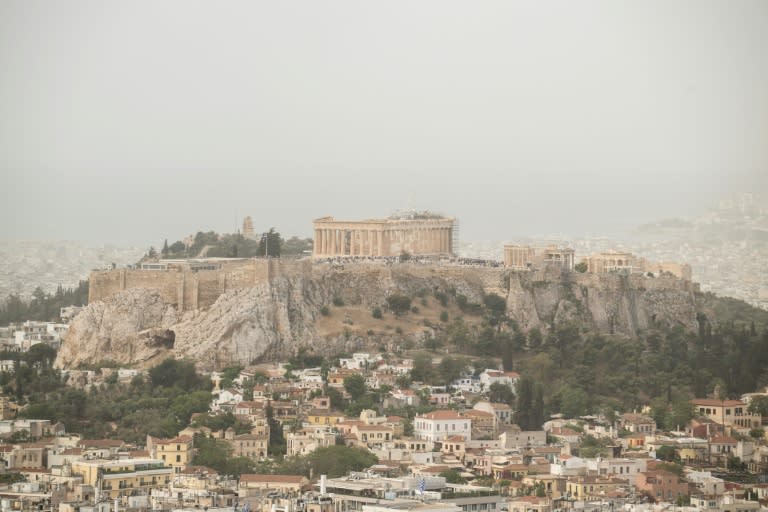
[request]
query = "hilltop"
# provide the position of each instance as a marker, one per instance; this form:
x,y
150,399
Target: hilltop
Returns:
x,y
331,309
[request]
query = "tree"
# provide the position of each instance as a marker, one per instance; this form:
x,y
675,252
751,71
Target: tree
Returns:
x,y
177,247
165,249
172,372
451,368
522,414
271,243
452,476
355,386
335,397
422,367
580,267
277,443
40,354
501,393
399,303
496,309
759,405
338,460
534,338
667,453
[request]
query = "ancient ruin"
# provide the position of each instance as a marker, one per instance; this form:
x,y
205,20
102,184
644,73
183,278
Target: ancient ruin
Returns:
x,y
524,257
418,234
248,228
627,263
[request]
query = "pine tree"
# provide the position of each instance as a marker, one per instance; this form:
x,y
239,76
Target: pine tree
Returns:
x,y
524,404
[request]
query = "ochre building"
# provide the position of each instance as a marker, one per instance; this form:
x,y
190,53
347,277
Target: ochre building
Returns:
x,y
420,235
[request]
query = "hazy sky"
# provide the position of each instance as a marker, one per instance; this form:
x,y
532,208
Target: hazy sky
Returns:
x,y
134,121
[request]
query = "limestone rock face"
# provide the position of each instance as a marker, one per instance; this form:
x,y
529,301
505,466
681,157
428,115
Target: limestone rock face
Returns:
x,y
272,321
124,328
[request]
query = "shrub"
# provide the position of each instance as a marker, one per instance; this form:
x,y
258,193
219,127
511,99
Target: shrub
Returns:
x,y
325,311
415,310
376,313
399,303
444,316
338,302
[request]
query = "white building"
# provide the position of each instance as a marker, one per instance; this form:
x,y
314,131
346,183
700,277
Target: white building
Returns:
x,y
31,333
469,384
227,398
360,361
491,376
436,425
622,468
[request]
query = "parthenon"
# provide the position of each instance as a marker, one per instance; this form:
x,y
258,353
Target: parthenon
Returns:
x,y
421,234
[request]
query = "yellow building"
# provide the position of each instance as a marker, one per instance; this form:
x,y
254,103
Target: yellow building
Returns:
x,y
727,412
585,486
115,478
320,417
176,452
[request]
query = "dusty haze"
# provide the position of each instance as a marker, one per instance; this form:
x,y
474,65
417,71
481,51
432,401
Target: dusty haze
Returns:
x,y
129,122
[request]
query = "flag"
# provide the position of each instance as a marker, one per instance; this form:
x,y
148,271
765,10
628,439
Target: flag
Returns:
x,y
247,507
422,486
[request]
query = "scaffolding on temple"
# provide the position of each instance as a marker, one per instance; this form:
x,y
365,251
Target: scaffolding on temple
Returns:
x,y
455,238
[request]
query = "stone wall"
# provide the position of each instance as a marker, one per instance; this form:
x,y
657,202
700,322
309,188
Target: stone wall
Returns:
x,y
187,289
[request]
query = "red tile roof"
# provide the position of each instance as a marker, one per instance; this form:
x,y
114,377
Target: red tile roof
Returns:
x,y
713,402
442,414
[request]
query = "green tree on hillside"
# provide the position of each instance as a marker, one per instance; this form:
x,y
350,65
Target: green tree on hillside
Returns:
x,y
355,386
271,242
399,303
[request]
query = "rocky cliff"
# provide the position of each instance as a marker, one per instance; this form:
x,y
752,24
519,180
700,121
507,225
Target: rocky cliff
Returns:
x,y
273,320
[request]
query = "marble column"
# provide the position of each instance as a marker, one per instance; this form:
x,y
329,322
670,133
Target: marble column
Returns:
x,y
371,252
358,242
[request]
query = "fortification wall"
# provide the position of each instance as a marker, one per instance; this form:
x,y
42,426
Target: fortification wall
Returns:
x,y
187,289
103,283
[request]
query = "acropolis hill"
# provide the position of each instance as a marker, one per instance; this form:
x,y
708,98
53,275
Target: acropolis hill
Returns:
x,y
224,311
250,309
